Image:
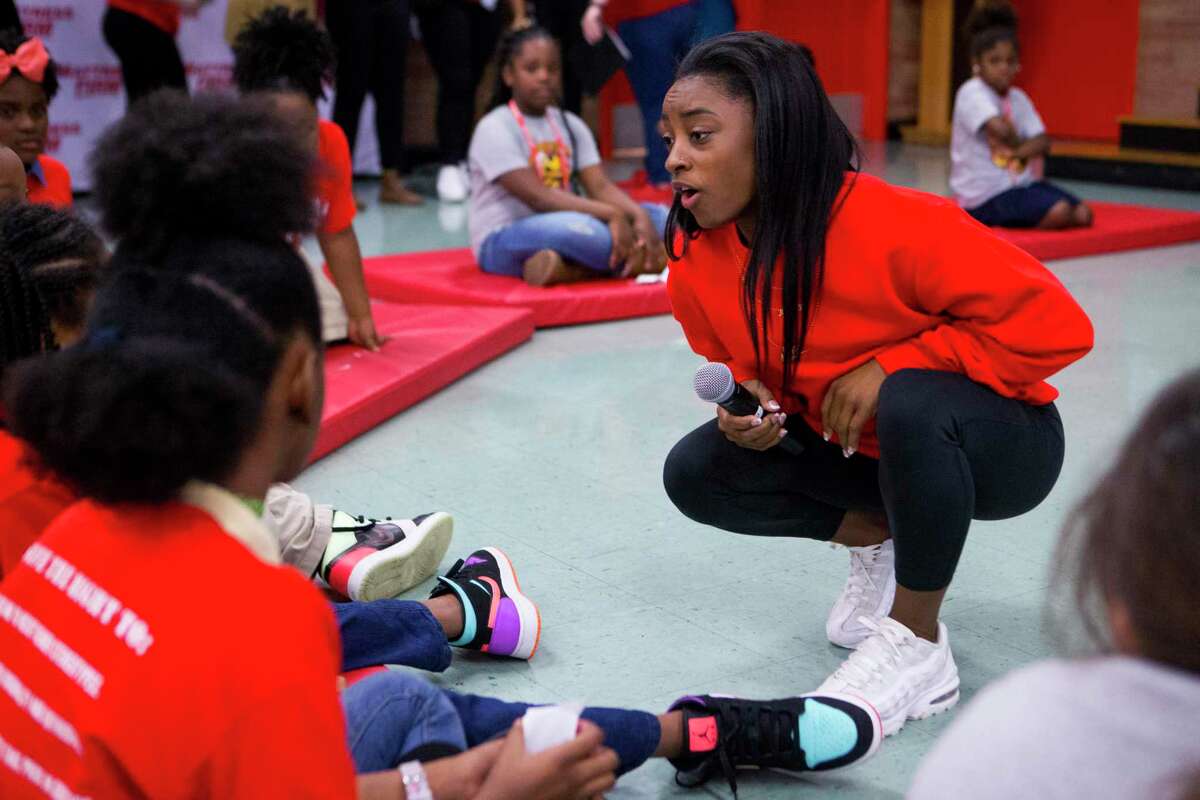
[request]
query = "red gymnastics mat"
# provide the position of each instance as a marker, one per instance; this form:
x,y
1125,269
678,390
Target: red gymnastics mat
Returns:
x,y
429,348
452,277
1116,227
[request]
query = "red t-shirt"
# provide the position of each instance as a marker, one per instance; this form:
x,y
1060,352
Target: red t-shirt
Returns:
x,y
911,281
29,500
158,13
148,652
53,188
334,190
618,11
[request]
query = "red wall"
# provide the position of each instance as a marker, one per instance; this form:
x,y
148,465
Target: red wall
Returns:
x,y
849,39
1079,63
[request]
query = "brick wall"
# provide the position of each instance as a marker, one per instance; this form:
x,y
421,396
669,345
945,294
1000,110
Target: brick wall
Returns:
x,y
1168,66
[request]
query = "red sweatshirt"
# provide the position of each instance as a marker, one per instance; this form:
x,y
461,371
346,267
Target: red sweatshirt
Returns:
x,y
52,187
911,281
617,11
159,13
159,652
29,500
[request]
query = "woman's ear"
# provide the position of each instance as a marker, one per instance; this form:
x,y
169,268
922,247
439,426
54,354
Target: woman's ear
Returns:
x,y
506,75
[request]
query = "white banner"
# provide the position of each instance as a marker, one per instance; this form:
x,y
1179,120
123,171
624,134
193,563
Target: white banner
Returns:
x,y
90,95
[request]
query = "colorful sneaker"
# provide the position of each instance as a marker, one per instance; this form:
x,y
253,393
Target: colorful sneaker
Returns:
x,y
869,592
497,618
899,673
793,734
374,559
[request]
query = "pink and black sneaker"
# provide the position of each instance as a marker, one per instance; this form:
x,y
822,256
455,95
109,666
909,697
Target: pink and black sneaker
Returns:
x,y
498,619
794,734
374,559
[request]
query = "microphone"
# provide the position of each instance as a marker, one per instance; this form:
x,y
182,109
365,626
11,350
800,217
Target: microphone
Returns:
x,y
714,383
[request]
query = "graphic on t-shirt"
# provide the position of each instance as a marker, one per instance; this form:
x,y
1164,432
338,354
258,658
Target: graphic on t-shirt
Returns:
x,y
548,162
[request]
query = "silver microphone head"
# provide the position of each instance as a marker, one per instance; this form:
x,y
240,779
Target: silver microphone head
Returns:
x,y
714,382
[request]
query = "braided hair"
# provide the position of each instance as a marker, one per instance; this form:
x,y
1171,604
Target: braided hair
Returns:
x,y
990,23
511,44
283,50
50,262
10,40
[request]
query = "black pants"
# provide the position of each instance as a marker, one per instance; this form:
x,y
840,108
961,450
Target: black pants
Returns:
x,y
951,449
148,55
371,37
459,37
561,18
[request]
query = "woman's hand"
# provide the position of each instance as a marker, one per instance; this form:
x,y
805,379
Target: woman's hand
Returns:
x,y
580,768
850,402
751,432
593,24
623,243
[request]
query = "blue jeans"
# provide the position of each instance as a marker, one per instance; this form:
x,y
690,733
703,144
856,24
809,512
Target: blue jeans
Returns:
x,y
658,43
576,236
391,632
391,714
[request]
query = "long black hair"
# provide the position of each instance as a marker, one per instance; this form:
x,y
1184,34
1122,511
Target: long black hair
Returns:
x,y
184,337
989,23
10,40
284,50
50,260
802,152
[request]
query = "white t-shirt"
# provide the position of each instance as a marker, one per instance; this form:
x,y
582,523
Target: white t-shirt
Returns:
x,y
498,146
1109,727
974,178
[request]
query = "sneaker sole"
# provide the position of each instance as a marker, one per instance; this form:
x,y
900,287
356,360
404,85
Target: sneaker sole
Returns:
x,y
531,619
388,572
935,701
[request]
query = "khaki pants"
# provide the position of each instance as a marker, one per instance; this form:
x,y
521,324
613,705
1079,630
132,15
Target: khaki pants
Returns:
x,y
334,320
302,527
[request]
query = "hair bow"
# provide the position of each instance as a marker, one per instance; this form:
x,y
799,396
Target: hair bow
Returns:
x,y
31,60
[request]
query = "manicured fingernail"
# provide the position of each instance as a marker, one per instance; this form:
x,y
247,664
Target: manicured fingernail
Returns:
x,y
783,433
851,452
846,452
754,423
826,435
773,405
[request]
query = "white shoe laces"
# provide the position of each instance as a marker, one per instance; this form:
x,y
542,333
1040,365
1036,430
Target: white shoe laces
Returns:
x,y
879,653
861,561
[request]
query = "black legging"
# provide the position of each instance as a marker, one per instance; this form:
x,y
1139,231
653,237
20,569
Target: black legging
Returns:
x,y
371,37
561,18
148,55
459,38
952,450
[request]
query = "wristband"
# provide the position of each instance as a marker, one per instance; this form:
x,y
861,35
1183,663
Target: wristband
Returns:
x,y
416,785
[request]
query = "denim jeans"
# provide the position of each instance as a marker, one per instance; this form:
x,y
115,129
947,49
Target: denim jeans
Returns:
x,y
658,43
391,632
391,714
577,237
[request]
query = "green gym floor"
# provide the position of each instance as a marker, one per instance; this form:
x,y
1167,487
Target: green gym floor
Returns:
x,y
554,454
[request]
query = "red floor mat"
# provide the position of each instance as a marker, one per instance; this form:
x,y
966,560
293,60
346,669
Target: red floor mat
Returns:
x,y
1117,227
451,276
429,348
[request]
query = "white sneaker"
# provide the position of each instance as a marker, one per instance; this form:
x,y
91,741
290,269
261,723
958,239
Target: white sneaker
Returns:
x,y
904,676
452,184
869,592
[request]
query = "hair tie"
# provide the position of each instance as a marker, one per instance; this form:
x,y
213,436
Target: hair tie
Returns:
x,y
30,59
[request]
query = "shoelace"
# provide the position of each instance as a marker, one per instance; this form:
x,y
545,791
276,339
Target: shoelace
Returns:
x,y
861,561
879,651
752,734
363,520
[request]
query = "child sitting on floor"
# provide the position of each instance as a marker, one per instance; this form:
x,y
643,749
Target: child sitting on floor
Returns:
x,y
1121,723
529,217
28,82
288,59
997,136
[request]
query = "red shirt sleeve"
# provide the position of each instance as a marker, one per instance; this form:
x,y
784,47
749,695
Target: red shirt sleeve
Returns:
x,y
335,176
1010,323
292,741
56,191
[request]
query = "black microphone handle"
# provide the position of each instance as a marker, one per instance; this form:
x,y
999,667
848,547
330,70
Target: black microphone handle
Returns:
x,y
743,404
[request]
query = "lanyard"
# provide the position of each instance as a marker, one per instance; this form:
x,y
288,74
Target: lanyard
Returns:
x,y
537,156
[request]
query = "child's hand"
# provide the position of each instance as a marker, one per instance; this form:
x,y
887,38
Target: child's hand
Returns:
x,y
361,331
622,241
592,24
580,768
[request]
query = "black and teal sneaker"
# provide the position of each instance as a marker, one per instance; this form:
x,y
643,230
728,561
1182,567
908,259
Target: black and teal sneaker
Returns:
x,y
498,618
794,734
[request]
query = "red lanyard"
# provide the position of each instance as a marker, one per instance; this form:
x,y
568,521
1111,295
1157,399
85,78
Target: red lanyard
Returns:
x,y
535,153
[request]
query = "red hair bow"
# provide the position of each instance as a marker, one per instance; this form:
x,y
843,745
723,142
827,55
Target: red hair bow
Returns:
x,y
31,60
